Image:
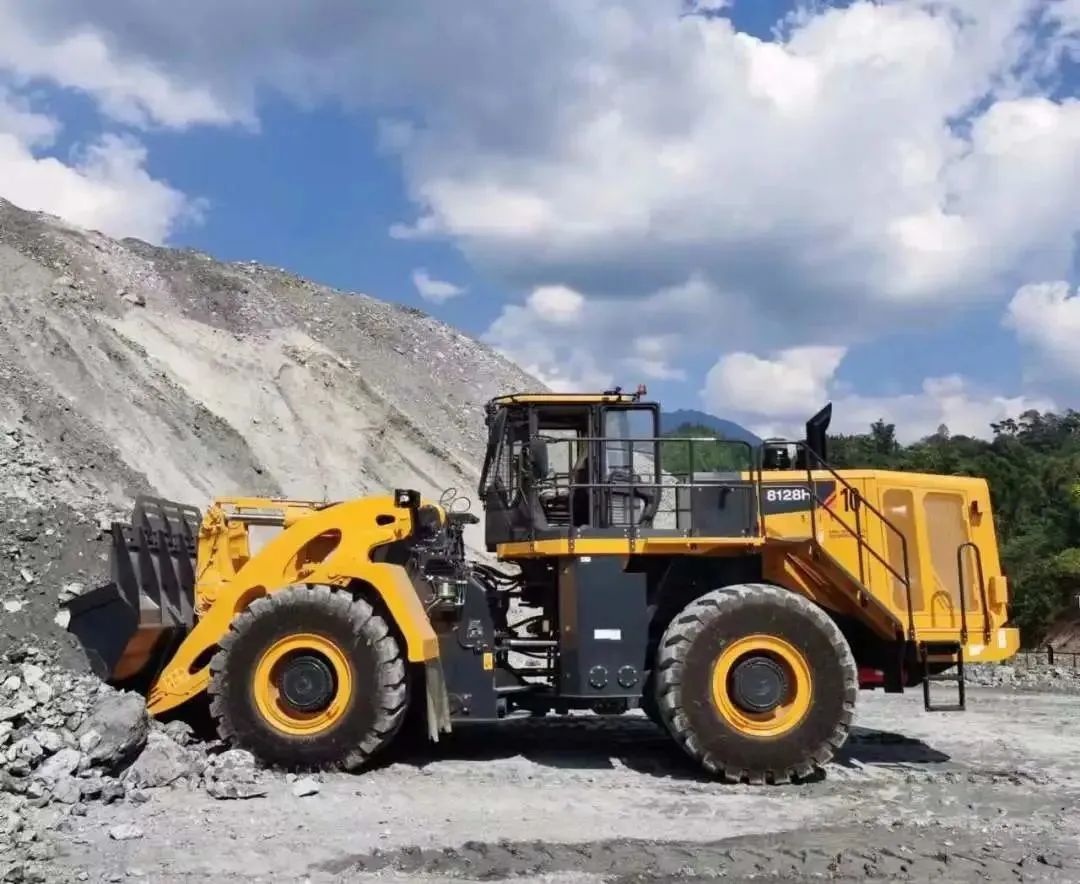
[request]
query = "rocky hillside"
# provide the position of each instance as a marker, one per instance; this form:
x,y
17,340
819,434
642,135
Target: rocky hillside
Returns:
x,y
126,368
1065,634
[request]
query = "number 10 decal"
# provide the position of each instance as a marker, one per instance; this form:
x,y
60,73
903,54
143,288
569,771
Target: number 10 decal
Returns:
x,y
851,499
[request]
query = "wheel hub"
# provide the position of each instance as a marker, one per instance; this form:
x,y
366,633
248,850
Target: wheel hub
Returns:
x,y
758,684
307,683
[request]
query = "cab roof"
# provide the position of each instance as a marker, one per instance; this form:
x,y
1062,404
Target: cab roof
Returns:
x,y
607,398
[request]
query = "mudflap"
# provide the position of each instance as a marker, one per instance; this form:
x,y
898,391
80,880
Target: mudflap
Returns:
x,y
126,625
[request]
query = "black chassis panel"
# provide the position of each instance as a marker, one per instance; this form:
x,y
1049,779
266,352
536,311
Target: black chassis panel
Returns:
x,y
603,628
466,639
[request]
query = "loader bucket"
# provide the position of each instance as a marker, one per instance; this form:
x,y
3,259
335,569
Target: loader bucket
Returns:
x,y
147,607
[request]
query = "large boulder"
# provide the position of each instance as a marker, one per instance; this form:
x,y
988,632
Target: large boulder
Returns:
x,y
162,762
116,730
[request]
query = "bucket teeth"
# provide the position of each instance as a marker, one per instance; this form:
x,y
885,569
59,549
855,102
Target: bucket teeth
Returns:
x,y
150,599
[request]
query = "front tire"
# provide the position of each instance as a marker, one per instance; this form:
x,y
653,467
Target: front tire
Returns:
x,y
309,677
756,683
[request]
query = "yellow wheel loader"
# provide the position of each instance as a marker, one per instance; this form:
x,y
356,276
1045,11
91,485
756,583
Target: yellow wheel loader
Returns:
x,y
740,595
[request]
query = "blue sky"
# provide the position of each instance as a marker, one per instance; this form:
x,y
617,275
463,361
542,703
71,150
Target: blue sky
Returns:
x,y
877,206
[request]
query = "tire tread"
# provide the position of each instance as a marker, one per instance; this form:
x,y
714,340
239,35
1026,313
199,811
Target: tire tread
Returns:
x,y
367,626
679,637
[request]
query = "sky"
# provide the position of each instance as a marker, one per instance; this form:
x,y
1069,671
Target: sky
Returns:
x,y
751,206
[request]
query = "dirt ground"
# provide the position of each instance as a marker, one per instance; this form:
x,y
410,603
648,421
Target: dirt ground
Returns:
x,y
989,794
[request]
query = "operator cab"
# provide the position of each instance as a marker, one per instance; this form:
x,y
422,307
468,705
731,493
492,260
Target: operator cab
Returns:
x,y
556,463
563,466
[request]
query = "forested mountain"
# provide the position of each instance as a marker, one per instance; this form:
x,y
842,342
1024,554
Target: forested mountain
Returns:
x,y
676,421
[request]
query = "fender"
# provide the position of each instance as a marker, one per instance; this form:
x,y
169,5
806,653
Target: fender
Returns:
x,y
331,547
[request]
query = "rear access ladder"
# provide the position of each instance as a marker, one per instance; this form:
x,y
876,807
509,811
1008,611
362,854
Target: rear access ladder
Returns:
x,y
947,653
953,652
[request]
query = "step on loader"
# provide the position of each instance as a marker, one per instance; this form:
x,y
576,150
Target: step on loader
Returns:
x,y
740,595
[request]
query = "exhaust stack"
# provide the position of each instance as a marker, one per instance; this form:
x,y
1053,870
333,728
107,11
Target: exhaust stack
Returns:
x,y
816,429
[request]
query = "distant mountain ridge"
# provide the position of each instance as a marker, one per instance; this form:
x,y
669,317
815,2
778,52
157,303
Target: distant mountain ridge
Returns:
x,y
672,420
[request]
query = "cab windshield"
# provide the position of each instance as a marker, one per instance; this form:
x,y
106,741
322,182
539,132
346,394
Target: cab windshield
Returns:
x,y
630,439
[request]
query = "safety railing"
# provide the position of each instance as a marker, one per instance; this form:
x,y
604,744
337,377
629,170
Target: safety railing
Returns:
x,y
636,485
857,503
962,587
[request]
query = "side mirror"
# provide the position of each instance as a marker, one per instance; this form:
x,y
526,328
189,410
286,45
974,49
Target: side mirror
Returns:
x,y
538,458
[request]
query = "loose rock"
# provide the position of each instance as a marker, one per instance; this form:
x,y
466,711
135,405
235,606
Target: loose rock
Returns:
x,y
125,833
304,787
62,764
233,775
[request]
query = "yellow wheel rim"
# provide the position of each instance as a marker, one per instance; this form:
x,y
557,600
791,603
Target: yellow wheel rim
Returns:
x,y
280,679
780,657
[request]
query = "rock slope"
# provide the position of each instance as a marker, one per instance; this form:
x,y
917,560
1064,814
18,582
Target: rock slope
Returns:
x,y
126,368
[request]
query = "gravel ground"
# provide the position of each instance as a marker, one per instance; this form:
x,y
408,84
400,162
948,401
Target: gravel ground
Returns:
x,y
984,795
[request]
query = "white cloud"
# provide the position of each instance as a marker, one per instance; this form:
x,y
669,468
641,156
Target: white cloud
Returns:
x,y
651,355
605,342
1046,318
80,57
774,396
532,335
822,184
437,291
962,406
641,145
104,186
556,304
785,386
681,140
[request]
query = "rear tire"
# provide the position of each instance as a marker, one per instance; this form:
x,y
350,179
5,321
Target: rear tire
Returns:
x,y
309,677
756,683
